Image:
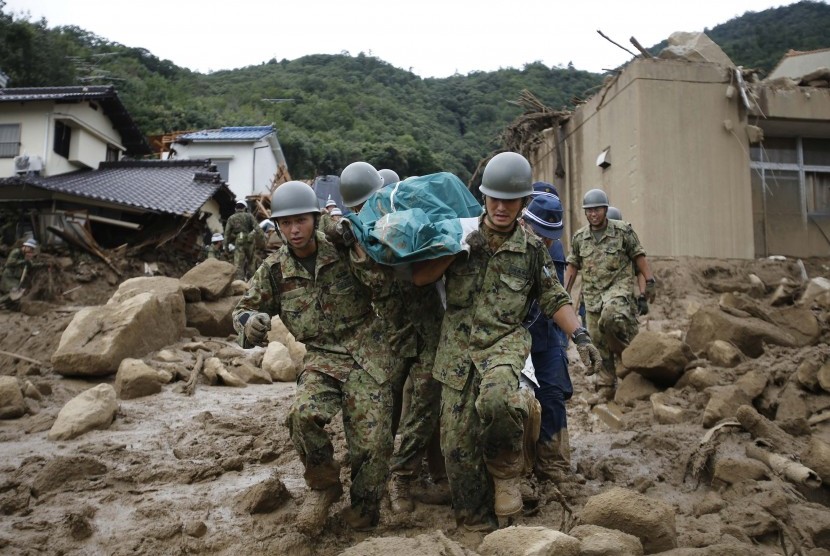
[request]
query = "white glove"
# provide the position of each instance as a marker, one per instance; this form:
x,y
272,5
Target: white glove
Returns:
x,y
231,247
468,225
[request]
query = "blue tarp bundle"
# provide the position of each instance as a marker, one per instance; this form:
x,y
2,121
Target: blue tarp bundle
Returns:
x,y
415,219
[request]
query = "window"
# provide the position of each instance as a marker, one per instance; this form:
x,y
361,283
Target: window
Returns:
x,y
795,174
223,167
112,154
818,192
63,134
9,140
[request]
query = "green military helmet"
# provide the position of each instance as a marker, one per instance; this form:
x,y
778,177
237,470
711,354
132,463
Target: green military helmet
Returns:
x,y
507,176
357,183
595,198
292,198
389,176
614,213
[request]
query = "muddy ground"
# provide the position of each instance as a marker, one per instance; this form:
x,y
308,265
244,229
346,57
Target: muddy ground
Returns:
x,y
171,475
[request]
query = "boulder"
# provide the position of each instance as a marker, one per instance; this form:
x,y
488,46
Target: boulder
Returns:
x,y
747,334
279,332
651,521
752,383
699,378
136,379
735,470
800,323
93,409
657,357
599,541
297,351
815,287
251,374
823,376
213,278
528,541
807,374
98,338
278,363
212,318
664,412
723,354
264,497
632,388
724,402
694,47
435,543
791,404
167,290
12,404
609,414
817,458
192,293
215,368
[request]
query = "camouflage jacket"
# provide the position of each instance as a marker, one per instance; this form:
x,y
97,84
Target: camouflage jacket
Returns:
x,y
488,296
606,265
213,252
330,312
239,222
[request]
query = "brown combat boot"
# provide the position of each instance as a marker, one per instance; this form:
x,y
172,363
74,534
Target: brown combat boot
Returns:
x,y
400,495
315,509
508,496
360,521
436,493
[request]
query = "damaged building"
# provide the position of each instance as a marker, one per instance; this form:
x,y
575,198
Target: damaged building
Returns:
x,y
700,156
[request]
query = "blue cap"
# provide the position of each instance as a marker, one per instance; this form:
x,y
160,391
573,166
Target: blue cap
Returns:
x,y
544,214
541,187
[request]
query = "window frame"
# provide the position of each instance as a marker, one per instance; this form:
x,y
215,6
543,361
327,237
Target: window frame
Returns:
x,y
11,144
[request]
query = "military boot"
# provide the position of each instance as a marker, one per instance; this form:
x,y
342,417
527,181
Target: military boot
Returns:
x,y
361,520
436,493
508,496
315,509
400,495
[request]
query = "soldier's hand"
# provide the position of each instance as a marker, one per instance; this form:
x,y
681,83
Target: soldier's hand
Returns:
x,y
257,327
344,230
588,352
651,290
642,304
474,242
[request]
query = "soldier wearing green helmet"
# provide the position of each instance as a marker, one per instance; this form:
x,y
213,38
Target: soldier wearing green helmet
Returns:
x,y
608,253
483,346
312,285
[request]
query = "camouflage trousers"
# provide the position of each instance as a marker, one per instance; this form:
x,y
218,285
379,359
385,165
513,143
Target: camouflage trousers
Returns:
x,y
482,434
420,422
244,256
367,410
611,330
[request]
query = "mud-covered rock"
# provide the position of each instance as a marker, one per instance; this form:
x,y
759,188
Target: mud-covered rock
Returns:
x,y
278,363
807,373
528,541
191,292
817,458
699,378
632,388
723,403
664,411
215,368
730,470
195,528
652,521
748,334
12,404
264,497
791,404
212,318
167,290
250,374
657,357
213,278
814,288
136,379
599,541
92,409
723,354
64,469
435,543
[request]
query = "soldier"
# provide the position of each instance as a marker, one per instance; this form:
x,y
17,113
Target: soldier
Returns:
x,y
19,265
330,205
311,284
240,231
414,318
604,251
214,250
483,345
389,176
548,352
642,300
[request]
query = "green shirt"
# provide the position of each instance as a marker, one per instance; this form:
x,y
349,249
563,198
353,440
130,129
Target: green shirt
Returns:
x,y
606,264
488,296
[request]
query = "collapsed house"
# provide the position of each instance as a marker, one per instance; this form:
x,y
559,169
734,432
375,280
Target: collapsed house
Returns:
x,y
133,202
700,156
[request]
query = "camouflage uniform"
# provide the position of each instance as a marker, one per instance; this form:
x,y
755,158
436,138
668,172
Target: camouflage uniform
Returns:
x,y
214,252
241,230
481,353
16,263
611,310
345,367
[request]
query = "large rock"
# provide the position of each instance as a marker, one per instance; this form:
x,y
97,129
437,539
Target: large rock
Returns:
x,y
735,470
93,409
747,334
791,404
213,278
136,379
657,357
599,541
665,412
807,373
212,318
427,544
724,402
723,354
632,388
251,374
100,337
528,541
815,287
651,521
12,404
277,362
168,290
817,458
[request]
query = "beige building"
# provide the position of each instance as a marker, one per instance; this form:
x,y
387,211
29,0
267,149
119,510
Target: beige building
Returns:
x,y
699,162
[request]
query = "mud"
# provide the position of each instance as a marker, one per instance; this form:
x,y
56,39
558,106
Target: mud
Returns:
x,y
215,472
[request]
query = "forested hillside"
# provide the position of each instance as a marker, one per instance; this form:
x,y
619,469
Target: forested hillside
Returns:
x,y
345,108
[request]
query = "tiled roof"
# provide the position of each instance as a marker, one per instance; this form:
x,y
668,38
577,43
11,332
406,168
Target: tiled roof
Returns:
x,y
105,95
242,133
177,187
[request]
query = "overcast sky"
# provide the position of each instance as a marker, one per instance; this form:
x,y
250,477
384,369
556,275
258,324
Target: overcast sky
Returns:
x,y
432,38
